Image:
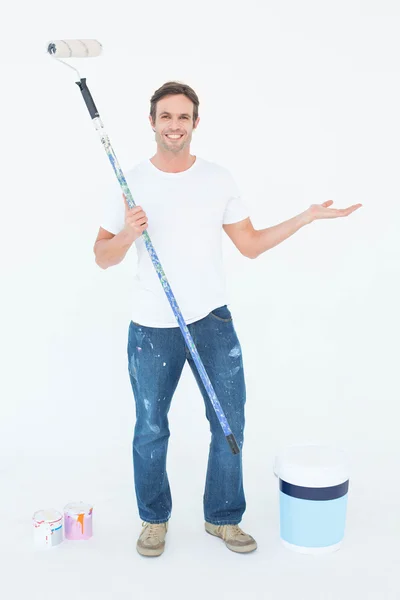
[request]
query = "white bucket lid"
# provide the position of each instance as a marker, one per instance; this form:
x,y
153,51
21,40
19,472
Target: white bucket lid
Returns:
x,y
77,508
48,515
312,465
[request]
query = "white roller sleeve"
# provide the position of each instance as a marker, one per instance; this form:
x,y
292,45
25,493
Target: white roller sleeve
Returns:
x,y
74,48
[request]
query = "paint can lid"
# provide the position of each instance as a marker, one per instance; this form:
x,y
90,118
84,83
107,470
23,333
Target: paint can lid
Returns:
x,y
48,515
77,508
312,465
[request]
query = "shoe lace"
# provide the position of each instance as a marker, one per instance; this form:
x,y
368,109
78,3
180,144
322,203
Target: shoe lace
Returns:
x,y
152,530
229,531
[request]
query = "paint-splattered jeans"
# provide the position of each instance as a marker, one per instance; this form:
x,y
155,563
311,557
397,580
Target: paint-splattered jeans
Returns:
x,y
156,357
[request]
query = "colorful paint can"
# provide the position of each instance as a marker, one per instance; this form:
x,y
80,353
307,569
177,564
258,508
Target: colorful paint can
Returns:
x,y
78,521
313,491
48,527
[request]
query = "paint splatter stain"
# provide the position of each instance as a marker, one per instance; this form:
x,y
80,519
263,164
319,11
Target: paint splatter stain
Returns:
x,y
146,404
154,428
235,352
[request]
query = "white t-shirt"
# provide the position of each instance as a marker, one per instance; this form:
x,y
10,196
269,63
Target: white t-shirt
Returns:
x,y
185,213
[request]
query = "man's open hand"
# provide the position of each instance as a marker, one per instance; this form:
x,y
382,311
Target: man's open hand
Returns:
x,y
322,211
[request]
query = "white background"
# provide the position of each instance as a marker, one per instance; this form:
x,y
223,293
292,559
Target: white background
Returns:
x,y
300,100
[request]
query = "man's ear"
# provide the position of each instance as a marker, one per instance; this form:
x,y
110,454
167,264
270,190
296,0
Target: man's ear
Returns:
x,y
151,123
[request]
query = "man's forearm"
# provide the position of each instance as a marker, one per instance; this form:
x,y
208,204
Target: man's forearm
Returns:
x,y
264,239
110,252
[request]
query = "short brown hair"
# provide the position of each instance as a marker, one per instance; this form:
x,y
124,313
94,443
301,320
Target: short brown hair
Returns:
x,y
174,87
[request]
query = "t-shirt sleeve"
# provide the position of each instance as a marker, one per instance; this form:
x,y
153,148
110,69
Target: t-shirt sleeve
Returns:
x,y
112,209
236,209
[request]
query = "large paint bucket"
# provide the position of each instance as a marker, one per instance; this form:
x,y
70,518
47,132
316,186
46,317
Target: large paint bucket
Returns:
x,y
78,521
48,528
313,491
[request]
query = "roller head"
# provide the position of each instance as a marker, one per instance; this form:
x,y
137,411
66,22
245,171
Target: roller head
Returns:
x,y
74,48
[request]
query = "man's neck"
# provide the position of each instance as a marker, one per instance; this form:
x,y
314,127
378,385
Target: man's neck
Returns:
x,y
171,163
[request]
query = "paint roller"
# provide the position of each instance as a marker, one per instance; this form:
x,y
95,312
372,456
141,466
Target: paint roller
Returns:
x,y
60,49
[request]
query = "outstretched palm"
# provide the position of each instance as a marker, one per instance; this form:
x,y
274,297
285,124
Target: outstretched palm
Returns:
x,y
322,211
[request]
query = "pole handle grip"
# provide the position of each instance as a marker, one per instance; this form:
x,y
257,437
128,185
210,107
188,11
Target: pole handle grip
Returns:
x,y
87,96
232,443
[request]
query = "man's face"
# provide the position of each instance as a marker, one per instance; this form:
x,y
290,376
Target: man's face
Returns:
x,y
174,118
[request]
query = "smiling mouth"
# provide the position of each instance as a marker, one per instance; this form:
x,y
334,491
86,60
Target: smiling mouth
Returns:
x,y
173,137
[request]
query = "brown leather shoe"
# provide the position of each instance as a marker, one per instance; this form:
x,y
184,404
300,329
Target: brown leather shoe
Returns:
x,y
151,541
235,538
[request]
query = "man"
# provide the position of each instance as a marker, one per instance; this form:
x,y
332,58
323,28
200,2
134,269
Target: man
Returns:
x,y
185,201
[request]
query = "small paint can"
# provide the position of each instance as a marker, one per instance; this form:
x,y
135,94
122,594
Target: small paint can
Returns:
x,y
78,521
48,527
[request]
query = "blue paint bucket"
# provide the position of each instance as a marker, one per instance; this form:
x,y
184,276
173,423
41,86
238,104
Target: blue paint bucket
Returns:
x,y
313,491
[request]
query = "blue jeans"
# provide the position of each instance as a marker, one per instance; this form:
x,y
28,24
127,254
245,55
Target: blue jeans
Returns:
x,y
156,357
